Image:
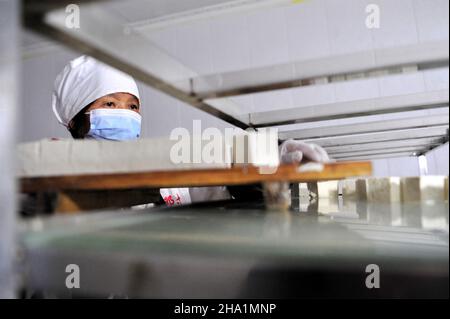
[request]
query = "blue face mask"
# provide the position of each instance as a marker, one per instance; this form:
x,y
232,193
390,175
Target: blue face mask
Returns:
x,y
114,125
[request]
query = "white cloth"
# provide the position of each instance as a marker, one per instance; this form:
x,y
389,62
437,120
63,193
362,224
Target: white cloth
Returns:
x,y
186,196
176,196
83,81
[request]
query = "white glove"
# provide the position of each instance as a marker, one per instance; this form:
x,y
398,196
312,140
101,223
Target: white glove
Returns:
x,y
292,151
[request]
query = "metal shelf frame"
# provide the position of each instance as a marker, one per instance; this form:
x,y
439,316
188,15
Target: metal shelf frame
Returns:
x,y
206,92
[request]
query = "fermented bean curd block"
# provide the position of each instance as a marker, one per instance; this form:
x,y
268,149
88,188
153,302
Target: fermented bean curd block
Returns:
x,y
348,188
361,190
446,188
385,190
328,189
424,188
76,157
179,152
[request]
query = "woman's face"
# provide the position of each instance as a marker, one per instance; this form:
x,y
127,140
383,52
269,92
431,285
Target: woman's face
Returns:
x,y
80,125
116,101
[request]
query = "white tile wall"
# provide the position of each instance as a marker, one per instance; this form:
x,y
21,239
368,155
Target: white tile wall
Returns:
x,y
268,33
277,100
357,90
160,113
380,167
314,95
401,84
436,79
193,47
307,30
346,26
230,44
398,167
397,24
310,30
36,119
432,19
438,161
403,166
165,39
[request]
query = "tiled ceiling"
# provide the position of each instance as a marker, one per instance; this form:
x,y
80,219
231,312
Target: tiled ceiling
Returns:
x,y
137,10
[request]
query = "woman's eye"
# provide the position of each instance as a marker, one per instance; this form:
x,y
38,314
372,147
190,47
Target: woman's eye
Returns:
x,y
109,104
134,107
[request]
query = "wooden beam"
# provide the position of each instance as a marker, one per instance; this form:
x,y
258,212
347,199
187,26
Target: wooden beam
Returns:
x,y
238,175
69,202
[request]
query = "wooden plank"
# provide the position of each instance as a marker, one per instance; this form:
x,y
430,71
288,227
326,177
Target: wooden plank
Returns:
x,y
70,202
238,175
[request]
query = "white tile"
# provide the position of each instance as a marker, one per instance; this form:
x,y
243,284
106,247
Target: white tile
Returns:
x,y
246,103
436,79
160,113
439,160
356,90
397,24
432,19
314,95
404,166
431,163
380,168
238,105
346,26
189,114
37,120
268,37
230,44
275,100
307,31
164,39
401,84
444,160
194,47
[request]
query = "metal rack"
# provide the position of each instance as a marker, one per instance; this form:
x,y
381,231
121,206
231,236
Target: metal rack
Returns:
x,y
410,136
9,32
201,252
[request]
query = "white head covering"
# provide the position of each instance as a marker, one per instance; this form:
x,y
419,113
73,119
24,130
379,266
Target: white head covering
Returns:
x,y
83,81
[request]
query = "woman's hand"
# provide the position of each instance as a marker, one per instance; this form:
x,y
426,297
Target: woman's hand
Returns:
x,y
294,152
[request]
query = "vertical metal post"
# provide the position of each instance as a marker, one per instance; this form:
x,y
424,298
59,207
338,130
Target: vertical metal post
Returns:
x,y
9,34
295,197
423,165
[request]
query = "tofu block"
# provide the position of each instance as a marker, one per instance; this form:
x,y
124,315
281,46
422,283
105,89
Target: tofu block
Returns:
x,y
446,188
424,188
328,189
79,157
410,188
383,190
348,187
361,190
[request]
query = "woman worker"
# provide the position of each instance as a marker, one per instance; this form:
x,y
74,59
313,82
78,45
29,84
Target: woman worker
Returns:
x,y
96,101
